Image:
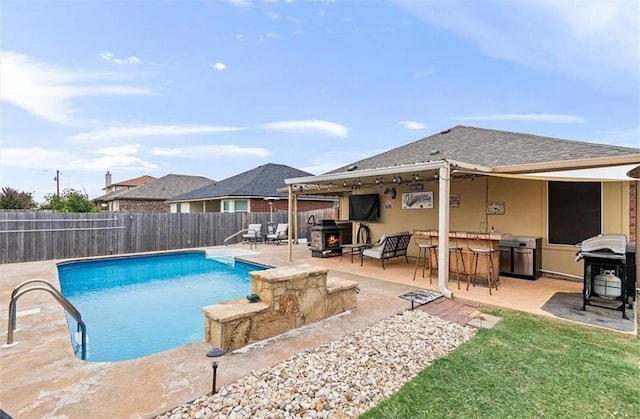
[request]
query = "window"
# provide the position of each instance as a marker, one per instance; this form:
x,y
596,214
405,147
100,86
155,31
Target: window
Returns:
x,y
235,205
178,207
241,205
575,211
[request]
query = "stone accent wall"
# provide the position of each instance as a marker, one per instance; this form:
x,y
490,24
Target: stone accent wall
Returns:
x,y
143,206
290,297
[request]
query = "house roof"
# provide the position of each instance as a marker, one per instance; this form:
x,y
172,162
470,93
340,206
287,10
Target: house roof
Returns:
x,y
489,148
159,189
141,180
262,181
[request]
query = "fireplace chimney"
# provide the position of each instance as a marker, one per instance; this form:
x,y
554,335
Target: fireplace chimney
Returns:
x,y
107,179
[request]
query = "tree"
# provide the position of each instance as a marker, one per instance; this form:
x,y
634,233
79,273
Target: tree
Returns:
x,y
69,201
13,199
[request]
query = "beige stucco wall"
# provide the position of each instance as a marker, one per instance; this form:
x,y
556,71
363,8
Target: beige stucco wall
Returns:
x,y
525,213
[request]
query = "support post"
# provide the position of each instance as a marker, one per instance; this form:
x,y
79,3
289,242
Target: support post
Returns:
x,y
444,174
290,221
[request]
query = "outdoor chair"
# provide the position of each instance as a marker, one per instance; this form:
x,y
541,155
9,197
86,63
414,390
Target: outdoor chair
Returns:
x,y
389,246
456,253
253,233
427,242
480,245
281,233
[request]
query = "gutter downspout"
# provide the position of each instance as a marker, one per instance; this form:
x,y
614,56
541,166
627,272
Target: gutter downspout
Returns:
x,y
443,229
290,221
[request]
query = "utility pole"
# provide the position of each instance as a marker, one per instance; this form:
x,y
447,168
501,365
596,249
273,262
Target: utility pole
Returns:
x,y
57,179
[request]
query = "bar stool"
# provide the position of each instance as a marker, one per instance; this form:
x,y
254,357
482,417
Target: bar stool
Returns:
x,y
426,249
480,245
455,251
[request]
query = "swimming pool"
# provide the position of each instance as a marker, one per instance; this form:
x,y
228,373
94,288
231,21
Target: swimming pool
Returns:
x,y
139,305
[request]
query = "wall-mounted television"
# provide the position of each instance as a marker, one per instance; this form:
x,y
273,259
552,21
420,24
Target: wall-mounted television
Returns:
x,y
364,207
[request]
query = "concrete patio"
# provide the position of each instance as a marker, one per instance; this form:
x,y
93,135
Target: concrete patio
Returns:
x,y
40,376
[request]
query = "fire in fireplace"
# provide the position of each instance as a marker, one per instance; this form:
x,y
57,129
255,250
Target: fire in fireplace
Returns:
x,y
325,239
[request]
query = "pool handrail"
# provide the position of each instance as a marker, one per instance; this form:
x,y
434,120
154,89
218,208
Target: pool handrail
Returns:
x,y
66,304
244,230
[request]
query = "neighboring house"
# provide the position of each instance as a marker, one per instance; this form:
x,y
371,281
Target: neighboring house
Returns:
x,y
124,185
473,179
151,196
255,190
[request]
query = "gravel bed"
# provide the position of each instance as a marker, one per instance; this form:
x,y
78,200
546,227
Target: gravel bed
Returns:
x,y
340,379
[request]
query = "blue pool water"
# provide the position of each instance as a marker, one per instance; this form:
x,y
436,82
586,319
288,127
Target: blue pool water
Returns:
x,y
140,305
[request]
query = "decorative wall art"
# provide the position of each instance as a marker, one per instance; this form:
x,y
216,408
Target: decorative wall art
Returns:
x,y
417,200
495,208
416,186
454,200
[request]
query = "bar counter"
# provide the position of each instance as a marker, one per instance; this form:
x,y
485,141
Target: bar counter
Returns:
x,y
465,240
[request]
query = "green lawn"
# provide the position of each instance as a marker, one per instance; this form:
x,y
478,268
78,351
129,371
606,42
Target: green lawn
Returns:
x,y
526,367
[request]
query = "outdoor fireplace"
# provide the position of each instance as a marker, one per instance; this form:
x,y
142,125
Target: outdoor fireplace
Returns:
x,y
326,239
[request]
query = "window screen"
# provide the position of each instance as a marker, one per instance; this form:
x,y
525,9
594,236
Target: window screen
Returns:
x,y
575,211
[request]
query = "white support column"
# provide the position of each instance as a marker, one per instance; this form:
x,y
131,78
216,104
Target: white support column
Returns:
x,y
443,229
290,221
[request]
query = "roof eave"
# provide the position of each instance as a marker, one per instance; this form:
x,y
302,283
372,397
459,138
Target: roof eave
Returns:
x,y
569,164
382,171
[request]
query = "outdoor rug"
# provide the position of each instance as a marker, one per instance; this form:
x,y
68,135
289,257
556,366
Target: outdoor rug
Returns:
x,y
568,305
421,297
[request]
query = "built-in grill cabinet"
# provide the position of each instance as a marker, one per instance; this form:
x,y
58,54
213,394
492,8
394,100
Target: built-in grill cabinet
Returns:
x,y
325,239
521,257
605,273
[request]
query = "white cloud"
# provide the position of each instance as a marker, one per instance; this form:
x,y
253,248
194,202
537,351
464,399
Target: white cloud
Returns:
x,y
219,66
421,74
310,125
210,151
109,57
528,117
242,3
47,91
241,37
128,149
151,131
622,137
112,162
35,157
327,161
45,159
273,35
592,39
413,124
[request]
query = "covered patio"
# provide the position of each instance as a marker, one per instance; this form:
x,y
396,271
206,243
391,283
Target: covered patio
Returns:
x,y
470,175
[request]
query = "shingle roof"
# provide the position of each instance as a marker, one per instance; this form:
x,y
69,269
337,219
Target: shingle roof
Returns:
x,y
262,181
489,148
138,181
160,189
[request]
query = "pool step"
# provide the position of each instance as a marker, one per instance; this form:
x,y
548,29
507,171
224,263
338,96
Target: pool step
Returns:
x,y
221,257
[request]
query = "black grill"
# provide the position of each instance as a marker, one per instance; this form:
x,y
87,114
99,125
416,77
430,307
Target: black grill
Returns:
x,y
606,280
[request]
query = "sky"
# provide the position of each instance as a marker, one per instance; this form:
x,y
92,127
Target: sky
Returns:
x,y
216,88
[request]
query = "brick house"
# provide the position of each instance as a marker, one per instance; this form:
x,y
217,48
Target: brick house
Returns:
x,y
255,190
149,196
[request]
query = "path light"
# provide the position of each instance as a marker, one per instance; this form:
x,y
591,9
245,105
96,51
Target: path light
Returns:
x,y
214,364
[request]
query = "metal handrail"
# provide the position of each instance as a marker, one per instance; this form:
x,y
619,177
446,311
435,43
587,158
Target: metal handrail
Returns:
x,y
66,304
244,230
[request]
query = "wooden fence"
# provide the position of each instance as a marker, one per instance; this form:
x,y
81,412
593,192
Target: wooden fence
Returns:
x,y
29,236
